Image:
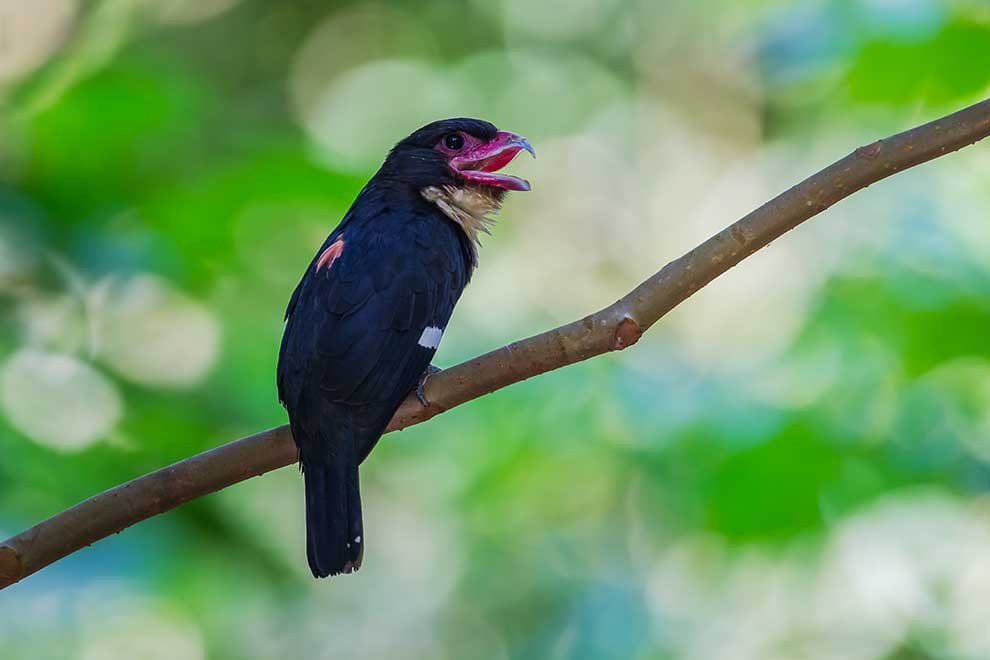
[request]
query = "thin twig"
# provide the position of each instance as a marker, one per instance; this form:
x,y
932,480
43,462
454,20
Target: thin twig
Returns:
x,y
616,327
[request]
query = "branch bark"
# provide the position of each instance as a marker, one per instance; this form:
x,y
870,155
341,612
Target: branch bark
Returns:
x,y
615,327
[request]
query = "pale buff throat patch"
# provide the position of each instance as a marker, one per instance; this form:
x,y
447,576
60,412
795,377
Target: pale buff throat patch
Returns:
x,y
471,207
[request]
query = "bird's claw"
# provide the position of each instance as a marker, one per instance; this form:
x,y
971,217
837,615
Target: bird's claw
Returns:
x,y
421,385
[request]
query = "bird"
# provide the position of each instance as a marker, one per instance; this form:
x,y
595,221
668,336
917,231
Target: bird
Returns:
x,y
364,322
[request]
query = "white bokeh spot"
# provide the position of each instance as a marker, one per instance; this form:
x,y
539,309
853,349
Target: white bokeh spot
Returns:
x,y
30,32
58,400
153,334
359,116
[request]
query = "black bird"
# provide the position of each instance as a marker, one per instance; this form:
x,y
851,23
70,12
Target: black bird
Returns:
x,y
368,315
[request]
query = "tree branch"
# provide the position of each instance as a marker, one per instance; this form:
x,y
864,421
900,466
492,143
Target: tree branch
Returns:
x,y
616,327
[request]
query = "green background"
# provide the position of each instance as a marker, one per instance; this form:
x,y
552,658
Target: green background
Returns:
x,y
791,465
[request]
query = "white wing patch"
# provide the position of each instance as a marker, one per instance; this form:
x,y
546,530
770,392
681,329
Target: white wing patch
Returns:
x,y
430,337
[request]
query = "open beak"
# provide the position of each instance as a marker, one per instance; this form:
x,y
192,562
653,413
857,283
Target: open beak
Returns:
x,y
481,164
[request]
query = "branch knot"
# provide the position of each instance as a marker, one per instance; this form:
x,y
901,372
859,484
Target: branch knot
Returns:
x,y
626,334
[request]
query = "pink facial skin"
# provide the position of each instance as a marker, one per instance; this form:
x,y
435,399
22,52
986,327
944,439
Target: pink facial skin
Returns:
x,y
479,161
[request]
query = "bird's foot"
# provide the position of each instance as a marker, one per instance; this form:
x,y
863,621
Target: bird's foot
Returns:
x,y
420,393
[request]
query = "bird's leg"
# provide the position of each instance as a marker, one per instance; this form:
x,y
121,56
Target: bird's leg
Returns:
x,y
420,393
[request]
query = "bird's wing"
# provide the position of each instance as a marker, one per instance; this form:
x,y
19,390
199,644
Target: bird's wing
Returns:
x,y
367,325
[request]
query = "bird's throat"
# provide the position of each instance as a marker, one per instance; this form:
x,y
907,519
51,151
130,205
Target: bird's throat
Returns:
x,y
471,207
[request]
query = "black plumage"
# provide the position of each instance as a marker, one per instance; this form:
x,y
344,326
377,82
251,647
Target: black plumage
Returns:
x,y
366,317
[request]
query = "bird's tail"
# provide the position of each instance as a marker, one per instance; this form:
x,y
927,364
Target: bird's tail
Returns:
x,y
334,537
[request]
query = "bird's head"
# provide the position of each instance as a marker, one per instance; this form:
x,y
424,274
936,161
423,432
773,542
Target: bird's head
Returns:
x,y
455,163
457,152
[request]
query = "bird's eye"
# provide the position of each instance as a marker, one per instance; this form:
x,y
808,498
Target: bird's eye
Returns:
x,y
454,141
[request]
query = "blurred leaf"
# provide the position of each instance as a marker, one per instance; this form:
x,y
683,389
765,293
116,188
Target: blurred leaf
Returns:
x,y
773,490
133,120
945,68
945,323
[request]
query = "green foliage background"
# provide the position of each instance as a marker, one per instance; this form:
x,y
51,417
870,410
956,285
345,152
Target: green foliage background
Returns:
x,y
792,465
